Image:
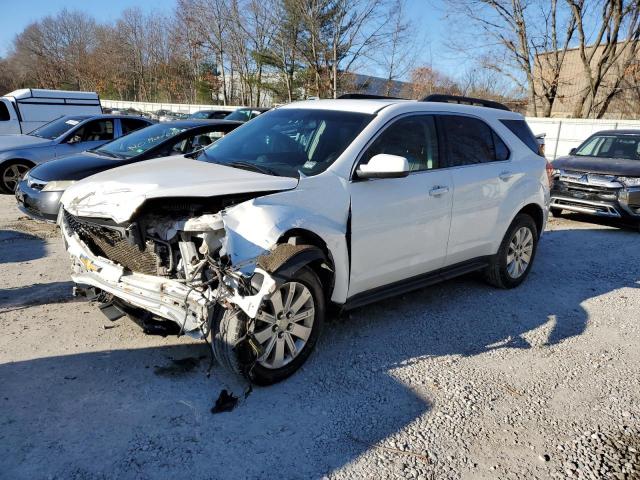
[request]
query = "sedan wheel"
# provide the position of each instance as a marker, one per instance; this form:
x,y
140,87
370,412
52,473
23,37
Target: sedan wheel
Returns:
x,y
11,176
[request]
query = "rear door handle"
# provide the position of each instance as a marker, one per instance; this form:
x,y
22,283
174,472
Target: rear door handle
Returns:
x,y
438,190
505,176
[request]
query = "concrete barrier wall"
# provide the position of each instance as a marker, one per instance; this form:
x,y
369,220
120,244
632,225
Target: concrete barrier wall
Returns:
x,y
562,134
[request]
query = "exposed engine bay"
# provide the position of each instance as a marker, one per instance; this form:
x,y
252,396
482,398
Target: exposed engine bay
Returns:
x,y
173,259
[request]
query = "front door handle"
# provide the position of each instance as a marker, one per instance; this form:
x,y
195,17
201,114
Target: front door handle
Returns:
x,y
505,176
438,190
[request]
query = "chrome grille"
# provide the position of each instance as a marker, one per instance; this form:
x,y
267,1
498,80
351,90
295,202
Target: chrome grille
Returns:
x,y
110,243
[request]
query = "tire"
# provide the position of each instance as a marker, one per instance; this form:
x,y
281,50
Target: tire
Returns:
x,y
11,173
234,352
556,212
503,274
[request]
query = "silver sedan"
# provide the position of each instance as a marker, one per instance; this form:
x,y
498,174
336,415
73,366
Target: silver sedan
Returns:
x,y
63,136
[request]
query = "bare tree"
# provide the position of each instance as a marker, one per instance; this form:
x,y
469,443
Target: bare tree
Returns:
x,y
398,53
611,54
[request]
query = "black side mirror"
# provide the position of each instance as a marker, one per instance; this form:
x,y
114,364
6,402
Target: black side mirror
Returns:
x,y
573,151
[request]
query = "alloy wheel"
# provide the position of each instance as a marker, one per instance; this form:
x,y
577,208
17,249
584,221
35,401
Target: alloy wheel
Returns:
x,y
520,252
284,324
13,174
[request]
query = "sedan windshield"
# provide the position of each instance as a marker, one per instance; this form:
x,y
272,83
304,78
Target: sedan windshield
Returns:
x,y
57,127
611,146
139,141
289,142
243,114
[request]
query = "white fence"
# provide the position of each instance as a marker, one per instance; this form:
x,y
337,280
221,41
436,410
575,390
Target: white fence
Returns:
x,y
173,107
562,134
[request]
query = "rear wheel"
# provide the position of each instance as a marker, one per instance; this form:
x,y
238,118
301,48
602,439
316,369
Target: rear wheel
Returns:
x,y
279,340
11,173
511,265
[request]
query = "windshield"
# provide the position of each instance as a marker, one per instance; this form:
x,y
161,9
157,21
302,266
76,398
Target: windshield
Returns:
x,y
140,141
200,115
611,146
56,127
243,114
289,142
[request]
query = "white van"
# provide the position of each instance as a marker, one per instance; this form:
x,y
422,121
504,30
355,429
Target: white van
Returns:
x,y
22,111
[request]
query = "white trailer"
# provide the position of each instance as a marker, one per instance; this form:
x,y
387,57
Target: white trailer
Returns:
x,y
22,111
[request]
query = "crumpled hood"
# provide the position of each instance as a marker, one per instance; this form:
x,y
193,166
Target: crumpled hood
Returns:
x,y
12,142
117,193
605,166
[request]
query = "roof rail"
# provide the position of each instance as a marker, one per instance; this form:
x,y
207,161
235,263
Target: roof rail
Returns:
x,y
465,101
366,96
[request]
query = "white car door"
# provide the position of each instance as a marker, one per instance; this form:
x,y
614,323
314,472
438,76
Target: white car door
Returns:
x,y
400,226
482,175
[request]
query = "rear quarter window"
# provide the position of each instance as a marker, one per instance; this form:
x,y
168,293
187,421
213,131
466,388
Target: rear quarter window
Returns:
x,y
521,130
4,112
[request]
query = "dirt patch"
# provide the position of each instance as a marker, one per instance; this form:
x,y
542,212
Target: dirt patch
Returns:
x,y
26,225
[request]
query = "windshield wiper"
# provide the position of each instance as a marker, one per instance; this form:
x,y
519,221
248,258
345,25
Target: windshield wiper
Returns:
x,y
251,166
106,153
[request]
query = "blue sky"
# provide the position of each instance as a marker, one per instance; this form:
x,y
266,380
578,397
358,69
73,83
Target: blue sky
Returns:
x,y
17,15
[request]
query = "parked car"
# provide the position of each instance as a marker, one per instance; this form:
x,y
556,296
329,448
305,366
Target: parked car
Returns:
x,y
245,114
25,110
340,202
163,115
210,114
39,192
63,136
601,177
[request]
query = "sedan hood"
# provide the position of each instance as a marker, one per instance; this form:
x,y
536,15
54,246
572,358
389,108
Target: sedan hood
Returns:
x,y
606,166
12,142
117,193
75,167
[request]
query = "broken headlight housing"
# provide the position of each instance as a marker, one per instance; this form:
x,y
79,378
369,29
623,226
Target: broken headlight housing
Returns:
x,y
629,181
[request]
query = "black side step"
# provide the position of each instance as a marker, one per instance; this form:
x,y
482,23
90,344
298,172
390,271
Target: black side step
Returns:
x,y
414,283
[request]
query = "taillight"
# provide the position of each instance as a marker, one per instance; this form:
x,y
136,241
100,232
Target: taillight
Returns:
x,y
549,169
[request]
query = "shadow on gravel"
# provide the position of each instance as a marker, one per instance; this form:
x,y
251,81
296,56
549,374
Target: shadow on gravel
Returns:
x,y
35,294
18,246
106,414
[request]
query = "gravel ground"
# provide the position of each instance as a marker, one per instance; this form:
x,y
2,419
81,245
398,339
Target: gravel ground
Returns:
x,y
456,381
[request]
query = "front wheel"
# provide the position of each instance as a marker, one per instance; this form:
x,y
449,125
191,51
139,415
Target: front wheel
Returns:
x,y
279,340
10,175
511,265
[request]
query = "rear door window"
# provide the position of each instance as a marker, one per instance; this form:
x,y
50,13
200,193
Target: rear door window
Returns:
x,y
471,141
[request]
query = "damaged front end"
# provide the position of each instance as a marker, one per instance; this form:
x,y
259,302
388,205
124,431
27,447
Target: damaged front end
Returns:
x,y
173,261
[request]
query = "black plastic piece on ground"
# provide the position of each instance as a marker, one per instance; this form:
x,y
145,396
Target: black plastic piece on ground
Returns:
x,y
110,311
226,402
155,327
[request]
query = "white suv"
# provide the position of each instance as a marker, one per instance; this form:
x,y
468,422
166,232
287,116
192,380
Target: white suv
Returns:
x,y
318,203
